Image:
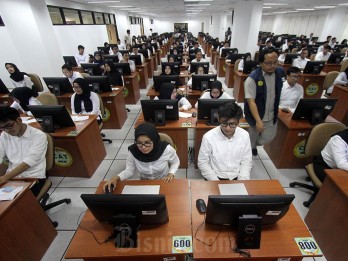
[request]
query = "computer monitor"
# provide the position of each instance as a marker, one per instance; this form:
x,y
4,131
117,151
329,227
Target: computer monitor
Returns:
x,y
159,111
154,45
193,56
51,117
208,110
175,66
101,49
226,209
58,85
144,52
202,81
123,52
92,68
226,51
339,47
123,68
136,59
98,84
180,49
111,58
194,66
314,67
126,212
336,58
177,57
70,60
3,88
249,66
159,79
290,57
235,56
314,110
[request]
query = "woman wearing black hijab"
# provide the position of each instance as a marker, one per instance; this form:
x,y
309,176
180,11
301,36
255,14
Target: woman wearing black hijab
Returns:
x,y
215,92
115,77
18,78
99,60
22,98
83,101
151,157
168,91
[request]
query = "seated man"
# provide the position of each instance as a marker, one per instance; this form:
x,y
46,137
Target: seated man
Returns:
x,y
127,60
115,51
225,151
292,92
25,148
136,52
199,57
301,61
324,55
81,57
70,74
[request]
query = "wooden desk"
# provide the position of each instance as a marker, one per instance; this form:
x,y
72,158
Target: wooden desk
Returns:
x,y
238,87
26,230
131,91
220,66
229,77
5,99
208,52
114,106
154,242
277,241
143,74
78,69
191,95
155,61
327,216
150,68
158,55
213,55
340,111
312,85
79,150
329,67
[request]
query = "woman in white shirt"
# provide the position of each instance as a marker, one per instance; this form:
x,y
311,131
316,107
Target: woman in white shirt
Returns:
x,y
215,92
341,79
168,91
148,156
18,78
246,58
200,70
22,98
84,101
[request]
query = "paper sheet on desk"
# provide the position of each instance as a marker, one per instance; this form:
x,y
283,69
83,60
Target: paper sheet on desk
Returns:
x,y
233,189
9,192
79,118
28,121
184,114
115,89
148,189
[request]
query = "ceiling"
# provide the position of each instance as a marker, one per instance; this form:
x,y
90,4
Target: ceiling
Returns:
x,y
194,8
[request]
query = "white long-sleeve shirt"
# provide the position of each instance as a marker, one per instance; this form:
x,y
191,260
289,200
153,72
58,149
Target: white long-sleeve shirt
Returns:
x,y
95,102
168,163
300,63
84,58
341,79
223,157
25,83
183,102
32,101
335,153
74,76
290,96
321,57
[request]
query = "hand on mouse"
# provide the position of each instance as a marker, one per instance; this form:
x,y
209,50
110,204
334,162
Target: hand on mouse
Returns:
x,y
112,181
169,178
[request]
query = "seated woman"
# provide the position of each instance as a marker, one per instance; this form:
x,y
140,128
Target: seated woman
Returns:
x,y
247,57
98,59
168,91
18,78
22,98
168,71
215,92
114,76
341,79
151,157
200,70
83,101
171,59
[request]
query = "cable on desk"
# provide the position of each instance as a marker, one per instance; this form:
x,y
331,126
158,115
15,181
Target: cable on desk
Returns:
x,y
199,228
235,249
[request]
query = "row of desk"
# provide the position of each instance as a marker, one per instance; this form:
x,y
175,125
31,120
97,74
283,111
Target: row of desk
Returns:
x,y
155,242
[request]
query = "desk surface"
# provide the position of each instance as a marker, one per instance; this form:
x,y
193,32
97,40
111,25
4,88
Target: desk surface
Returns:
x,y
153,241
276,240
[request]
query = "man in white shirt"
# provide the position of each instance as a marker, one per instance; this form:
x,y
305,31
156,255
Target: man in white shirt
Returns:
x,y
128,38
135,52
25,148
127,60
324,55
301,61
81,57
292,92
321,47
115,51
120,45
199,57
70,74
333,41
225,152
226,45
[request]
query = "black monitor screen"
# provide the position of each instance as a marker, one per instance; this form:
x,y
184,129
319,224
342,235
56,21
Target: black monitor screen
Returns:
x,y
3,88
98,84
169,106
314,67
249,66
235,56
223,210
111,58
314,110
123,68
202,81
136,59
175,67
227,51
59,114
177,57
194,66
144,52
290,57
159,79
179,49
92,68
58,85
208,108
70,60
336,58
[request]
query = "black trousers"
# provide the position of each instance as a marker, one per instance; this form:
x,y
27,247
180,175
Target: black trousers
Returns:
x,y
319,165
221,179
38,186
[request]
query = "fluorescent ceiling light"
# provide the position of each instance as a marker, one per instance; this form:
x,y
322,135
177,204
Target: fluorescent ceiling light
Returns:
x,y
280,12
274,4
324,6
103,2
135,11
305,9
343,4
197,4
121,6
267,7
198,0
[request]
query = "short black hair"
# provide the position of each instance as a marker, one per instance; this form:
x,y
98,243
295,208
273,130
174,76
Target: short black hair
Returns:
x,y
8,114
293,70
67,66
266,51
328,47
230,110
80,47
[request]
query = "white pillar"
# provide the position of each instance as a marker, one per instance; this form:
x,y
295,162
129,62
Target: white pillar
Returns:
x,y
278,24
246,26
335,17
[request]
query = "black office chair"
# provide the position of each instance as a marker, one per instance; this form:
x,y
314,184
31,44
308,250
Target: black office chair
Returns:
x,y
101,123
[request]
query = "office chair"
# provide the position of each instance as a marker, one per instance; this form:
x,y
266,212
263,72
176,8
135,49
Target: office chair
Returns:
x,y
329,79
344,65
343,50
315,143
236,64
101,123
84,75
312,57
47,98
167,138
43,196
36,81
294,50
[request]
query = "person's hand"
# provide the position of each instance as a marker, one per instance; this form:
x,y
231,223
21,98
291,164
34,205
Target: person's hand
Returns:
x,y
259,126
169,178
112,181
2,180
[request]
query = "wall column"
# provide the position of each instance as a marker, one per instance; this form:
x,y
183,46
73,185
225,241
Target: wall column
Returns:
x,y
335,16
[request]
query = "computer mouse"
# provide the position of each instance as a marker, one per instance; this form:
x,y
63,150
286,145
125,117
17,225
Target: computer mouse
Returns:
x,y
194,114
200,204
107,189
285,110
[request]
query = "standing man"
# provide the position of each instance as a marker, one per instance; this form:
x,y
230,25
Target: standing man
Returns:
x,y
262,94
81,57
128,38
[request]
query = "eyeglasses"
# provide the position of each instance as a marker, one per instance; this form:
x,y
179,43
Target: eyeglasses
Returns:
x,y
270,63
76,87
231,124
146,144
7,127
295,76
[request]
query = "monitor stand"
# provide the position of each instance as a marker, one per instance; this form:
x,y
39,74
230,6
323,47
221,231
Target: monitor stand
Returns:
x,y
249,232
125,231
317,116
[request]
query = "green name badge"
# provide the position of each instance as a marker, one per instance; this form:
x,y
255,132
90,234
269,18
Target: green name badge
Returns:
x,y
182,244
73,133
308,246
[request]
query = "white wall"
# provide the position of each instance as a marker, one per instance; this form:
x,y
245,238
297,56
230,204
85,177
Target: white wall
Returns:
x,y
167,25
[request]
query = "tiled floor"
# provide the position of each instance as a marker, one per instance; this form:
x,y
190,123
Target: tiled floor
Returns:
x,y
68,216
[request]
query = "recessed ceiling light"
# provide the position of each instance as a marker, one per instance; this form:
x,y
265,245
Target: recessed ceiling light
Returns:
x,y
102,2
305,9
274,4
267,7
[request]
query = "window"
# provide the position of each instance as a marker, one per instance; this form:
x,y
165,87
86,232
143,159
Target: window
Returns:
x,y
87,17
112,19
71,16
98,18
55,14
106,18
